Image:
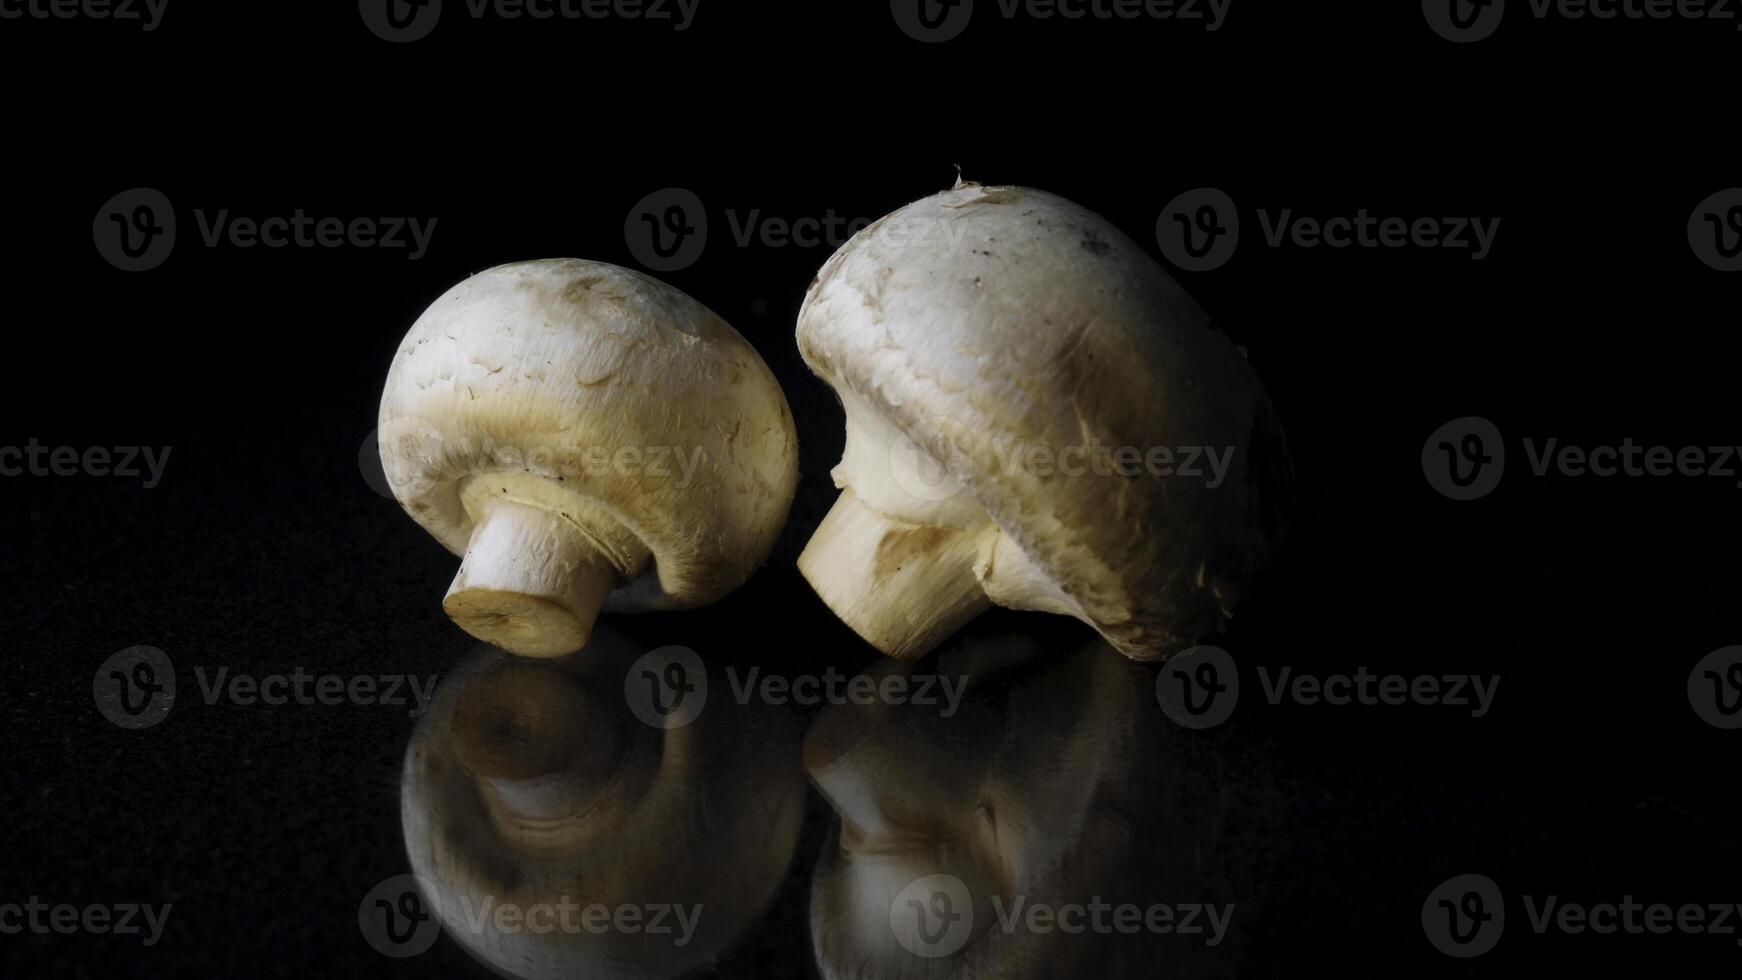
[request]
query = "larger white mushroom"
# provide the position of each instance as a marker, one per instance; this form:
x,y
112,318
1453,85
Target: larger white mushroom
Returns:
x,y
1023,387
587,437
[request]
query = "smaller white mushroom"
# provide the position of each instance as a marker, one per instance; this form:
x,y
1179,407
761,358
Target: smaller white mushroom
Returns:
x,y
1037,418
587,437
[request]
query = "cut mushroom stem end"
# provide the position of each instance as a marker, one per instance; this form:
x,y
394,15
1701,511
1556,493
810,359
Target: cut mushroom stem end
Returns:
x,y
532,582
903,587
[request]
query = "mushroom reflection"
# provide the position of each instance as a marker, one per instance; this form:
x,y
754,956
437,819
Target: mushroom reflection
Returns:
x,y
558,835
1057,825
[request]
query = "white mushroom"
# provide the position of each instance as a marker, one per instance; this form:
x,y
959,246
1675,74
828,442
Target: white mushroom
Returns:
x,y
587,437
1023,387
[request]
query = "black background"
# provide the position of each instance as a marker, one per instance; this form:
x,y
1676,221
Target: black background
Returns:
x,y
264,549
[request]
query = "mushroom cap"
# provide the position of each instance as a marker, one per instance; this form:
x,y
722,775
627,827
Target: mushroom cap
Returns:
x,y
983,322
626,400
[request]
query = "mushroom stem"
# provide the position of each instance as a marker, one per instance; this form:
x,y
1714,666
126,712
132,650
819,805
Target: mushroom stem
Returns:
x,y
531,583
903,587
